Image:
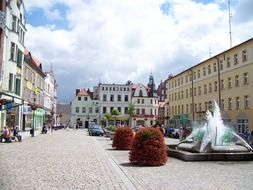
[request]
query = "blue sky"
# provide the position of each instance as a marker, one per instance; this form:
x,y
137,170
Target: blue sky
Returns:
x,y
113,41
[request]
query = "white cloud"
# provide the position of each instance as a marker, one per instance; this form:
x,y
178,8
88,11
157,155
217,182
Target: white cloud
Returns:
x,y
116,41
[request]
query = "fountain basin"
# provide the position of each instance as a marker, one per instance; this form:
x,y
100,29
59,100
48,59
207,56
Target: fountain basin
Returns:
x,y
173,151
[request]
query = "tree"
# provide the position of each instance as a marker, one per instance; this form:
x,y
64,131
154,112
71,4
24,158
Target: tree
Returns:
x,y
108,117
130,112
115,113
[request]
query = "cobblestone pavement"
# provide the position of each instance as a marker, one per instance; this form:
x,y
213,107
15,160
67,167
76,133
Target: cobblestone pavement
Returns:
x,y
59,160
180,175
73,160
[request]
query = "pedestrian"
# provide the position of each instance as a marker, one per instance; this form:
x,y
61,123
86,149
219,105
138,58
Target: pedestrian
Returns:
x,y
32,132
246,134
44,129
16,134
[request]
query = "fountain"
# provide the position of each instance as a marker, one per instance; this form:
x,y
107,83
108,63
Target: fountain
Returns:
x,y
212,141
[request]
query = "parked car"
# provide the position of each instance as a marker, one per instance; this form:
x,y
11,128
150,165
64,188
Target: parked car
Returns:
x,y
96,130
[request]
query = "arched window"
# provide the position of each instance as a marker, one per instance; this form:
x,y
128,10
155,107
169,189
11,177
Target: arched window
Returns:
x,y
140,93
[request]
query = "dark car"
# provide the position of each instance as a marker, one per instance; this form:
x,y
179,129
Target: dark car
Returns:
x,y
96,130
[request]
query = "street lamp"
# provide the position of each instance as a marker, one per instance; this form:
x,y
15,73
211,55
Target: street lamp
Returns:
x,y
193,109
219,87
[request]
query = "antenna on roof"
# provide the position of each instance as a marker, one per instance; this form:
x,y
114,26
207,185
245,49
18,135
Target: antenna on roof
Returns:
x,y
51,68
229,20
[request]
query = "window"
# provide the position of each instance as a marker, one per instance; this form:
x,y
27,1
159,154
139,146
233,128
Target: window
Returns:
x,y
191,91
143,111
221,65
237,103
187,108
142,101
84,109
246,102
97,109
126,98
235,59
90,109
245,78
11,82
204,71
104,97
186,93
229,103
12,51
14,23
112,98
210,105
79,98
200,107
244,55
222,84
77,109
205,89
206,105
182,94
215,86
210,87
214,67
19,58
178,81
111,108
119,109
236,80
140,93
195,91
194,75
229,82
209,69
186,79
178,95
198,73
242,125
137,111
138,101
85,98
126,110
119,98
222,104
104,109
228,62
199,90
17,85
182,107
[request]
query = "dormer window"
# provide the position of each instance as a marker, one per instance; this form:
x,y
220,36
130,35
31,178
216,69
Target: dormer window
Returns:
x,y
140,93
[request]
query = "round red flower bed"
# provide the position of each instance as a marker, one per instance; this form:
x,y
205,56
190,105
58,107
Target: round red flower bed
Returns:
x,y
123,138
148,148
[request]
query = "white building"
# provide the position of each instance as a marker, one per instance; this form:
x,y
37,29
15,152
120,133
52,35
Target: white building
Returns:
x,y
114,96
13,56
50,98
83,109
145,104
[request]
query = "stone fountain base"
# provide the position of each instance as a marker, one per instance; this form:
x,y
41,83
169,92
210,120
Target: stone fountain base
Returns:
x,y
173,151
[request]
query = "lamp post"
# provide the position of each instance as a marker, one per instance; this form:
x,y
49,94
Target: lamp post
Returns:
x,y
219,87
193,109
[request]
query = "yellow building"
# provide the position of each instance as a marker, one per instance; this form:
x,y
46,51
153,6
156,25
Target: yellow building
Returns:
x,y
226,78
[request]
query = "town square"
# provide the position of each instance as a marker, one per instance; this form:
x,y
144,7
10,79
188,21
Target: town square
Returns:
x,y
147,94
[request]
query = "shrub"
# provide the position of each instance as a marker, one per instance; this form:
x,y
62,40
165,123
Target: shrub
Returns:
x,y
148,148
123,138
112,128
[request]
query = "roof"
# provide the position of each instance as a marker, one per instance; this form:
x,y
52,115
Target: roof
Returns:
x,y
213,57
82,92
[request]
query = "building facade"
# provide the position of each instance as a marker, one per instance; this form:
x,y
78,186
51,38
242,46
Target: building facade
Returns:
x,y
162,95
33,86
226,78
2,31
114,96
146,105
50,99
12,64
83,109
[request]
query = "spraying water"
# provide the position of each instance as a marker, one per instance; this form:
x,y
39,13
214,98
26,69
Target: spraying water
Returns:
x,y
214,136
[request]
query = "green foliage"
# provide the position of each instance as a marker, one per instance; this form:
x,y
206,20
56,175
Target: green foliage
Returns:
x,y
112,128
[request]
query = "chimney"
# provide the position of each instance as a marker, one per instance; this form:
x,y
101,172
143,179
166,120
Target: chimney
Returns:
x,y
77,91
